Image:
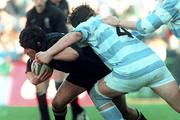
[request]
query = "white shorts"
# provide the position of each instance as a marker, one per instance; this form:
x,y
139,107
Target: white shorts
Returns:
x,y
156,78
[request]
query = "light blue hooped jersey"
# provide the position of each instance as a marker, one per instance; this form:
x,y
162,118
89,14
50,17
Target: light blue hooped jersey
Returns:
x,y
127,56
167,12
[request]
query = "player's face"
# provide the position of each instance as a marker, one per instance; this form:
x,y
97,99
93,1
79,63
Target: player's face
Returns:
x,y
56,1
40,5
30,52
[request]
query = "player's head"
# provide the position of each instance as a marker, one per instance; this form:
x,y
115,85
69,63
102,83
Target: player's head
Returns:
x,y
81,14
40,5
31,39
56,2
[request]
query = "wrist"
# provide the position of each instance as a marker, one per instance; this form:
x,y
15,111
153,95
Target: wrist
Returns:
x,y
49,54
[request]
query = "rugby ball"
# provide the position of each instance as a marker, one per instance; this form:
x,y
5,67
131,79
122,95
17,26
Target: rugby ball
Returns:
x,y
37,68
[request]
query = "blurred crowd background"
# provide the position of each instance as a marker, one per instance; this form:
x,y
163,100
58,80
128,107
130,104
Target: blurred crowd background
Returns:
x,y
12,21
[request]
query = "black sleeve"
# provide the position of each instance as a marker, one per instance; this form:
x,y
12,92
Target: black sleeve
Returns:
x,y
28,65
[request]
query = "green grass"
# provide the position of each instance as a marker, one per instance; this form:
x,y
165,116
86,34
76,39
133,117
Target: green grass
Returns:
x,y
151,111
158,112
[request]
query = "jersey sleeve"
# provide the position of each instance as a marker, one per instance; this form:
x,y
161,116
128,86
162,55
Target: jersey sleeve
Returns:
x,y
161,15
88,27
141,36
28,65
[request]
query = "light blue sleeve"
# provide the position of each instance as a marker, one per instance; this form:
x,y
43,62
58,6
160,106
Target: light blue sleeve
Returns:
x,y
161,15
141,36
88,27
178,5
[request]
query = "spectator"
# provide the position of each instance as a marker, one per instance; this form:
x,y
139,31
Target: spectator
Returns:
x,y
167,13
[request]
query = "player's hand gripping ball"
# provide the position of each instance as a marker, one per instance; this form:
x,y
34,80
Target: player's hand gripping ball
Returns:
x,y
38,68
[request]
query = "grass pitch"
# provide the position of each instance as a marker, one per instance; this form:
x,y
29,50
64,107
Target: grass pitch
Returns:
x,y
151,111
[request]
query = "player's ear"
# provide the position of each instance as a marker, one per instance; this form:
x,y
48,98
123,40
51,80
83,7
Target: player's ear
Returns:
x,y
39,44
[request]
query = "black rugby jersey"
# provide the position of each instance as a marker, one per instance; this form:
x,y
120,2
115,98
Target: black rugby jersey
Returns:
x,y
52,19
85,71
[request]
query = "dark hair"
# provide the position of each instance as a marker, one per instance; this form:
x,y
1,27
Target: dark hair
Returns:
x,y
81,14
32,37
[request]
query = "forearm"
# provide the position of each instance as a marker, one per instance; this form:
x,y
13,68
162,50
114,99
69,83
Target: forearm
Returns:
x,y
64,42
114,21
67,55
127,24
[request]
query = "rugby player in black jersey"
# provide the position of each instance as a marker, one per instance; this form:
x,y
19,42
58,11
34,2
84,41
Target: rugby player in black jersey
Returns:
x,y
84,68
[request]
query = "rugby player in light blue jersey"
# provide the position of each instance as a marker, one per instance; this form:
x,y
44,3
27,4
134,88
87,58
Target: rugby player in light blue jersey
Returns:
x,y
134,65
167,12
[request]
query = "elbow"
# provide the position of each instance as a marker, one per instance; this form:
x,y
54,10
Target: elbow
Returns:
x,y
75,55
77,35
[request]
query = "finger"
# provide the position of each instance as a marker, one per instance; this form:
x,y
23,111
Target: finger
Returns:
x,y
45,74
35,80
38,61
37,54
36,57
48,75
42,74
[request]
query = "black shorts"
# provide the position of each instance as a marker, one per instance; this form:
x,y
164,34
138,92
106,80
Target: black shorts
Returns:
x,y
94,70
88,80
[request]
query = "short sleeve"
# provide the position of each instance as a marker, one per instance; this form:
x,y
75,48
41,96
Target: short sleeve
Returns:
x,y
28,65
161,15
88,27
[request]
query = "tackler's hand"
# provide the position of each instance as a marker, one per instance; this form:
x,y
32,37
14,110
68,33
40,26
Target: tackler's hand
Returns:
x,y
43,57
111,20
